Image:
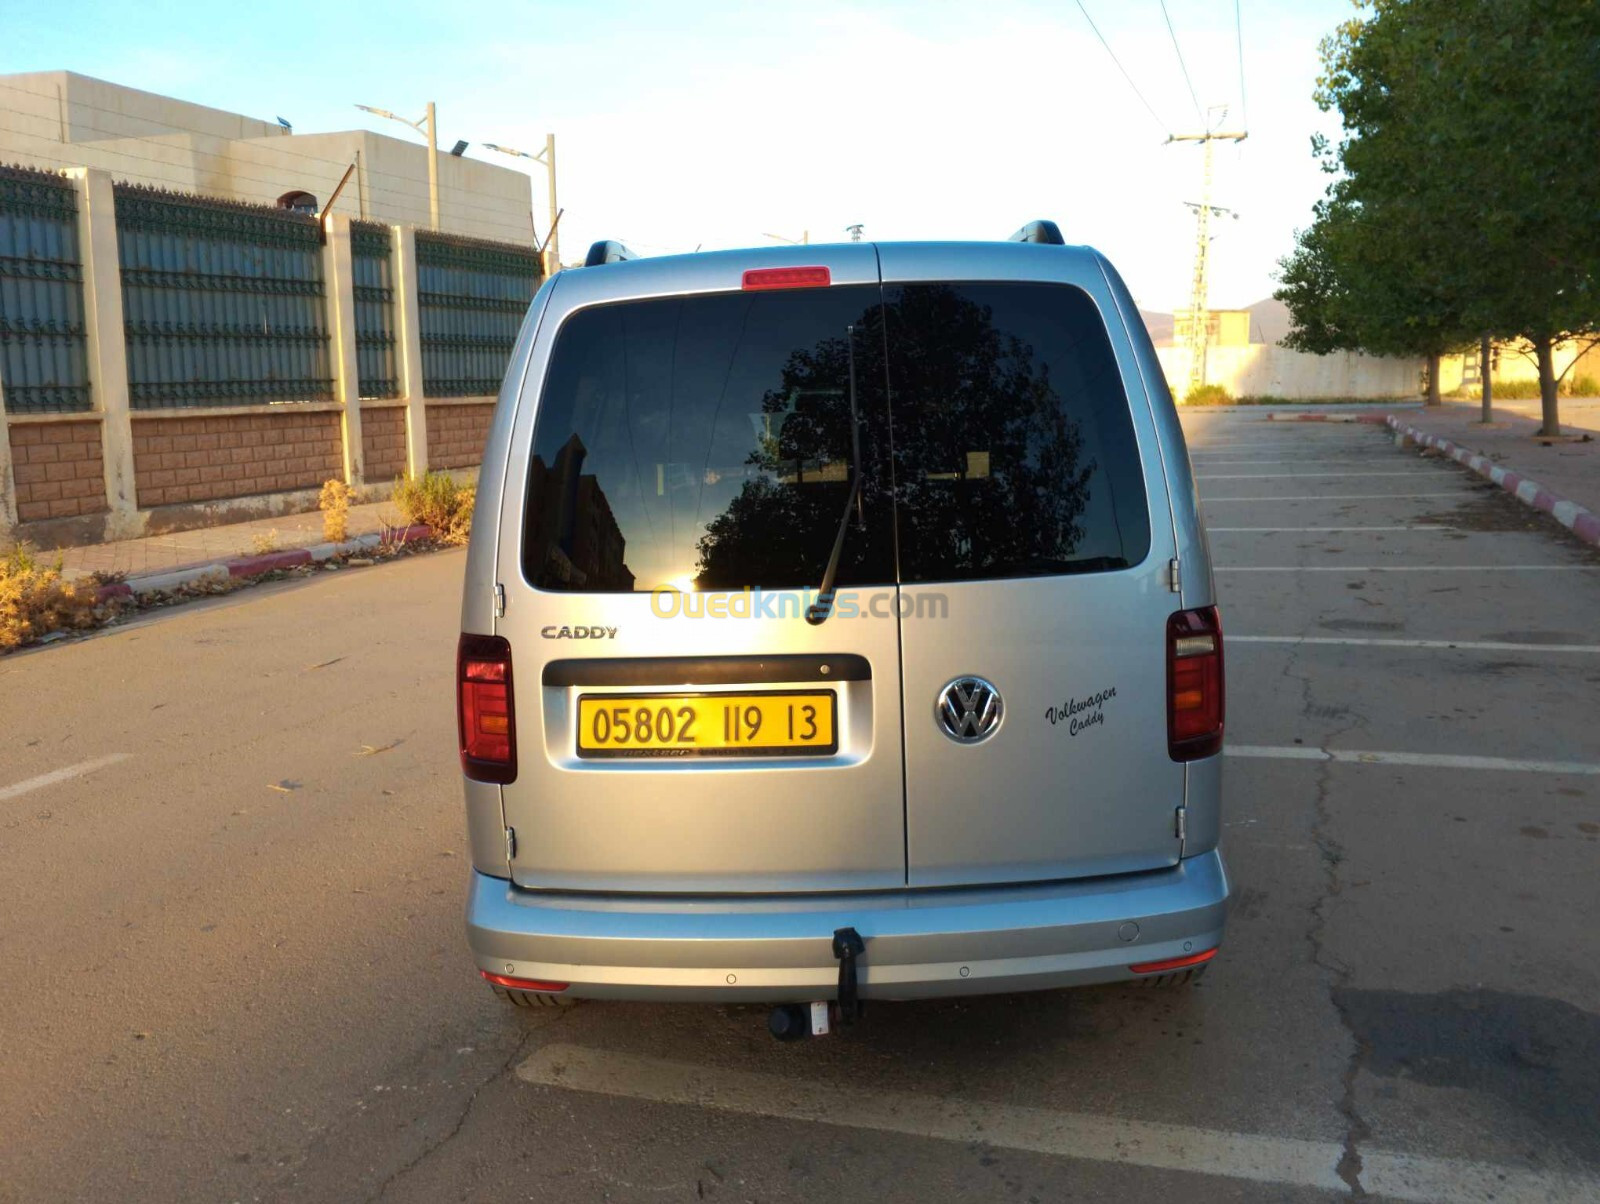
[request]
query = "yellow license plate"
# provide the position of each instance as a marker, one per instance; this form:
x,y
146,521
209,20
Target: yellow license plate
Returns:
x,y
774,723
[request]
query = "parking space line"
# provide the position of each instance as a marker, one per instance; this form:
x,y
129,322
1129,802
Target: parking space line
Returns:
x,y
1349,756
1281,476
60,775
1218,463
1407,568
1339,497
1147,1144
1454,645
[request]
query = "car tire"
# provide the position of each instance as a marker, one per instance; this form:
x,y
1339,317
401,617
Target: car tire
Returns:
x,y
533,999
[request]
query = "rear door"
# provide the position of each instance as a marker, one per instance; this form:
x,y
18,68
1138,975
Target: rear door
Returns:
x,y
679,468
1034,538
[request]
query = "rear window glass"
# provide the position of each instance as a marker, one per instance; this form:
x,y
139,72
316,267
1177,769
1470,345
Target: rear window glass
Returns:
x,y
1014,448
704,442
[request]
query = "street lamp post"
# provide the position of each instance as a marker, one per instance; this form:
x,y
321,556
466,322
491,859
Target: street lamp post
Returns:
x,y
429,126
552,246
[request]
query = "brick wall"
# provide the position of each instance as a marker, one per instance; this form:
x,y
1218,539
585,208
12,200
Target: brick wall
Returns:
x,y
456,435
383,442
201,459
58,469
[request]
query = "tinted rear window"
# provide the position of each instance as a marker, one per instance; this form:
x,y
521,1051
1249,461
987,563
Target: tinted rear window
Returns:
x,y
1014,448
705,442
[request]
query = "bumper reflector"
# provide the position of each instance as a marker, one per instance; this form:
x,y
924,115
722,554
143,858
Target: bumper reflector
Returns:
x,y
524,984
1171,963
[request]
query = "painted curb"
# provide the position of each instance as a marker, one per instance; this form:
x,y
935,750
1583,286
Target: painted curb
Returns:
x,y
1583,523
251,566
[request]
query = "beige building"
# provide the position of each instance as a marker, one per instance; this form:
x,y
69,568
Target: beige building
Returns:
x,y
1224,327
58,119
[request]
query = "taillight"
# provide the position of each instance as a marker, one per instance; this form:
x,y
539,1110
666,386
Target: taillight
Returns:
x,y
525,984
484,717
1194,684
1174,963
787,278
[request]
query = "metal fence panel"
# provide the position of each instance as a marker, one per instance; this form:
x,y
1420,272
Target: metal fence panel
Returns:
x,y
471,297
44,361
373,271
223,302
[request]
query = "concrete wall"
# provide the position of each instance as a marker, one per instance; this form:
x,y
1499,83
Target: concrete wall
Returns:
x,y
383,435
117,472
1262,370
57,469
456,434
180,460
58,119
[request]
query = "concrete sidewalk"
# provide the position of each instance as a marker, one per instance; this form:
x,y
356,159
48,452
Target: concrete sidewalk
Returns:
x,y
1567,467
206,545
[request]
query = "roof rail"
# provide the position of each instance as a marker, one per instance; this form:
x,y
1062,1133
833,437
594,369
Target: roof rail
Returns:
x,y
1045,232
607,250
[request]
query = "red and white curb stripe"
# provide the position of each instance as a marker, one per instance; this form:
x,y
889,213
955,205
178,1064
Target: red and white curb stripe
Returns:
x,y
250,566
1585,524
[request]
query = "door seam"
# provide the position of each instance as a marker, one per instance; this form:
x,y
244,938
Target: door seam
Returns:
x,y
899,617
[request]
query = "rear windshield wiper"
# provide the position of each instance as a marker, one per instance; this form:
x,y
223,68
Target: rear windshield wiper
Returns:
x,y
823,606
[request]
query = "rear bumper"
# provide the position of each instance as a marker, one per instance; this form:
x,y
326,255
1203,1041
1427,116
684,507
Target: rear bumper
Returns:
x,y
920,944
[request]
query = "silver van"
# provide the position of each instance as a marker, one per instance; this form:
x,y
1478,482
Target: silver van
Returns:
x,y
839,625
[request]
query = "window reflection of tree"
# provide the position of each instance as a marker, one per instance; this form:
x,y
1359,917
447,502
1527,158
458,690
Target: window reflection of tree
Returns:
x,y
991,470
779,528
991,467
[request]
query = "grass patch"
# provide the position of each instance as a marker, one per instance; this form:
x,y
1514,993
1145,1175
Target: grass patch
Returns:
x,y
335,506
35,600
438,501
1208,395
1528,390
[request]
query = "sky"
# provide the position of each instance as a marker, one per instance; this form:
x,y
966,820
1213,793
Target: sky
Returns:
x,y
716,124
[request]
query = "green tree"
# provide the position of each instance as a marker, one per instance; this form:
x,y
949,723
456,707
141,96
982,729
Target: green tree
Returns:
x,y
1364,279
1464,204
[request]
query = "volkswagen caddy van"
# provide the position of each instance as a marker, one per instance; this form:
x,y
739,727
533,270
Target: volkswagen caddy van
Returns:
x,y
839,625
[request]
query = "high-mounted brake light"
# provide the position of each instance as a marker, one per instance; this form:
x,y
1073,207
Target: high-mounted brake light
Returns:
x,y
1173,963
1194,684
485,720
524,984
787,278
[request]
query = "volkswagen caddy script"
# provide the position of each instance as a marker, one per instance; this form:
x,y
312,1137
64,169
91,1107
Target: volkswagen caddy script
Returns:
x,y
839,625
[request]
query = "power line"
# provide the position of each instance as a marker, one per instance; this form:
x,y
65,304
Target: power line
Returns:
x,y
1182,66
1238,28
1153,116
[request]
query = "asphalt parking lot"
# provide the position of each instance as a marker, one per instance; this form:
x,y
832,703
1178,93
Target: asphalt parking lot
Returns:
x,y
231,964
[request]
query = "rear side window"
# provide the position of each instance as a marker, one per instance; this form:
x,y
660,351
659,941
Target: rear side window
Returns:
x,y
704,442
1014,450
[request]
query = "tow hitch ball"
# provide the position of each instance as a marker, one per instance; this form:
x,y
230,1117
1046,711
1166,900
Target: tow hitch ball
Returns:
x,y
792,1021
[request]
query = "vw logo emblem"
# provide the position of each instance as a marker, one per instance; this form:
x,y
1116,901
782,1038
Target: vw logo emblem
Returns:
x,y
969,710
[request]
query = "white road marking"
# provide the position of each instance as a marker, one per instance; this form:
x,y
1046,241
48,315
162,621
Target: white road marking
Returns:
x,y
1253,1157
1275,476
1412,527
1349,756
1408,568
1457,645
1337,497
1219,463
60,775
